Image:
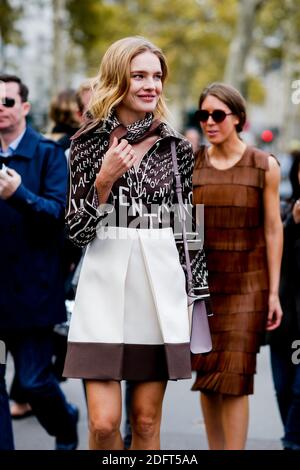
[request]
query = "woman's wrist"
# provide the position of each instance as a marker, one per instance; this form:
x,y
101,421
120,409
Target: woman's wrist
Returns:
x,y
103,183
273,293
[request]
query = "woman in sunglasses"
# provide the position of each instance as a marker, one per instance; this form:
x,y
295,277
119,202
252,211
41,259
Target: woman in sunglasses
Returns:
x,y
238,185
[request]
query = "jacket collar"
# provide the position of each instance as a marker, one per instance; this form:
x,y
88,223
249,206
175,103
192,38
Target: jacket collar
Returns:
x,y
28,144
166,130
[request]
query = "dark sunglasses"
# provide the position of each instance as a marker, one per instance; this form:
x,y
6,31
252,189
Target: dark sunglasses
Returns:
x,y
218,115
8,102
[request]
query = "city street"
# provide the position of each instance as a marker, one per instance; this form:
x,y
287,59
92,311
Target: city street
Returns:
x,y
182,426
150,155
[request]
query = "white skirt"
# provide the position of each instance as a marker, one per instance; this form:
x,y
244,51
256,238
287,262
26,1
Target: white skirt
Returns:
x,y
130,319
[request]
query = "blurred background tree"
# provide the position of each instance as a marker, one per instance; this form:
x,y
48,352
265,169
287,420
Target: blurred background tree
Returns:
x,y
239,41
9,32
279,31
194,35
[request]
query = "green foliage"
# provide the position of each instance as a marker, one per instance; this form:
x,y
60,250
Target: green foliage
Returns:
x,y
255,91
9,14
94,24
278,25
193,34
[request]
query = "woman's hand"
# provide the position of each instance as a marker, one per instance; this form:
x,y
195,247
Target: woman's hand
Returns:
x,y
275,313
296,211
117,160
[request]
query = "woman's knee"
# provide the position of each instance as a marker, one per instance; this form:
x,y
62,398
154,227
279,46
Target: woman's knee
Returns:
x,y
103,428
146,424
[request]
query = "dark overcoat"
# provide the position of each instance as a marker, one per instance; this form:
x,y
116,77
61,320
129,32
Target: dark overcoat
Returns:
x,y
31,236
289,290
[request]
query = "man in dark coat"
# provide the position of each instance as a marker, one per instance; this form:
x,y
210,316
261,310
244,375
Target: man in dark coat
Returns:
x,y
33,179
285,340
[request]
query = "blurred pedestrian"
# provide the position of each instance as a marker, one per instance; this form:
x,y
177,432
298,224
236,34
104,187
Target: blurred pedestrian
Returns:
x,y
65,116
238,186
32,197
65,121
83,97
194,137
6,436
130,320
285,369
19,408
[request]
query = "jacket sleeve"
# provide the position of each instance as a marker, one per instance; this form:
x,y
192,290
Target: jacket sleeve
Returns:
x,y
83,211
292,241
47,206
194,228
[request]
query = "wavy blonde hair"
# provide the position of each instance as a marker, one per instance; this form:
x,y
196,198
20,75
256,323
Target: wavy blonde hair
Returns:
x,y
113,80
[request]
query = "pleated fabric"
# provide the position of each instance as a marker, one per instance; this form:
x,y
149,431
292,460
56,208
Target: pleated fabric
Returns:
x,y
130,320
237,270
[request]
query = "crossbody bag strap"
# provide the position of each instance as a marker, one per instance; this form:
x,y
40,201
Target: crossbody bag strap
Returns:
x,y
182,216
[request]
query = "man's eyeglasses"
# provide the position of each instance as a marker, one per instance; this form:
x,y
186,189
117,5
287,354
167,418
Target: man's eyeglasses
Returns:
x,y
8,102
218,115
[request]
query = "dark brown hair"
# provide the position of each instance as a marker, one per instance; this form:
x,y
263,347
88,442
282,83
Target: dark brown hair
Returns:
x,y
229,96
23,90
84,87
62,108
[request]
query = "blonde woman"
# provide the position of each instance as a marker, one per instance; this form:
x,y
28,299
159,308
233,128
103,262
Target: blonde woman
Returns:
x,y
130,320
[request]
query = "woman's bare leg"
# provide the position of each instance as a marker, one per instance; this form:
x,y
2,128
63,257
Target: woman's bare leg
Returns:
x,y
146,411
226,420
235,417
104,401
211,404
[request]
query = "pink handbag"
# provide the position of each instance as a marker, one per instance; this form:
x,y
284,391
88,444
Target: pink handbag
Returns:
x,y
200,341
200,333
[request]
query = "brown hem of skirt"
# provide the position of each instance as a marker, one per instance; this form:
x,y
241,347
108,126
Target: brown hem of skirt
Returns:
x,y
224,383
134,362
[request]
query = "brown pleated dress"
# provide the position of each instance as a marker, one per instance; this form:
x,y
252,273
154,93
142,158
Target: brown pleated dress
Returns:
x,y
237,270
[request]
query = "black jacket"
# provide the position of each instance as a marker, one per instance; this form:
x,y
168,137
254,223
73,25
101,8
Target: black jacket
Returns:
x,y
289,290
31,236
